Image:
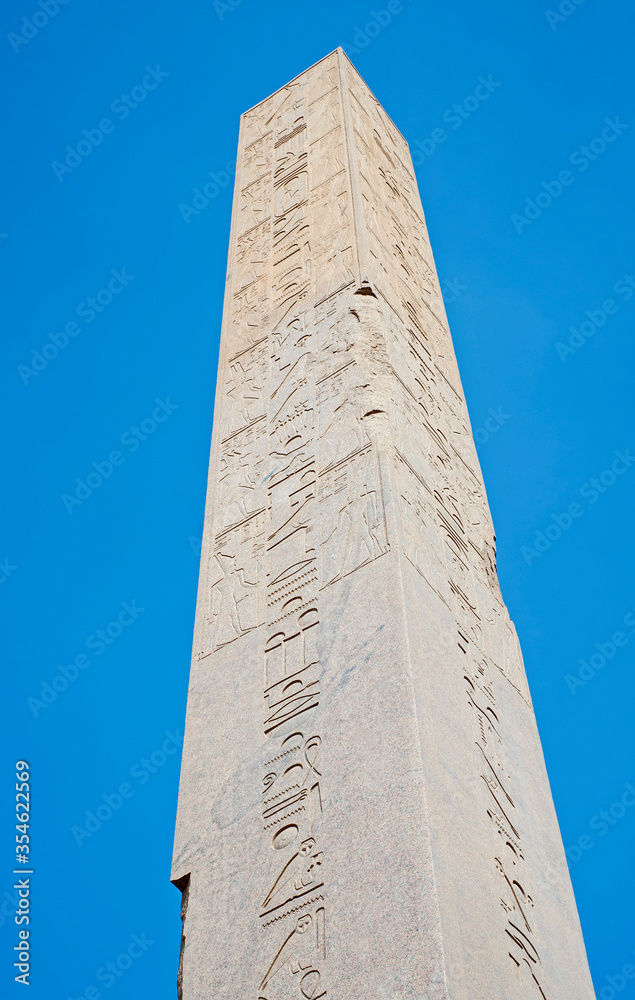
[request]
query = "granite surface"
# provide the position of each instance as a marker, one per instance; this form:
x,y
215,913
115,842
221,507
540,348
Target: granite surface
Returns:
x,y
364,810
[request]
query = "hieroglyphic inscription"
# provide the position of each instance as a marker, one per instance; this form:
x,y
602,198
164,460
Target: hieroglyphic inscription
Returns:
x,y
481,633
292,912
319,482
446,530
352,515
342,437
518,931
401,263
235,604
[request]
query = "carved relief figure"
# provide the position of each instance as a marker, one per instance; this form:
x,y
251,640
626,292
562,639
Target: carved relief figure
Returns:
x,y
297,962
245,390
234,600
355,533
238,481
341,432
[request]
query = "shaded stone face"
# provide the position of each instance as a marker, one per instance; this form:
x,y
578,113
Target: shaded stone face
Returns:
x,y
364,809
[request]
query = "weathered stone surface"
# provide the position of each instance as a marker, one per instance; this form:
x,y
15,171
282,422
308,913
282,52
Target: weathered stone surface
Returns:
x,y
364,810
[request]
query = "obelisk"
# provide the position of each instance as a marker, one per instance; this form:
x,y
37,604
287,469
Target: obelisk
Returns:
x,y
364,811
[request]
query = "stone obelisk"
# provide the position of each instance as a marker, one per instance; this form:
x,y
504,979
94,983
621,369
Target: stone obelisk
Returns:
x,y
364,811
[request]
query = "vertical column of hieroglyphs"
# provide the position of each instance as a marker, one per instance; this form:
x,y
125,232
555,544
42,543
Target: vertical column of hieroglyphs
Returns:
x,y
292,910
236,570
446,528
283,455
324,514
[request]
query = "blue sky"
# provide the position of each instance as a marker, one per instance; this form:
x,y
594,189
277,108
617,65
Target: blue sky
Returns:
x,y
531,237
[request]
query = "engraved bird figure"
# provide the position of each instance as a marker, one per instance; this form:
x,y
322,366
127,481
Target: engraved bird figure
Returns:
x,y
285,952
300,872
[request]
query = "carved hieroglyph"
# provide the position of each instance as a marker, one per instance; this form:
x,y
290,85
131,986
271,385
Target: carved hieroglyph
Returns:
x,y
364,810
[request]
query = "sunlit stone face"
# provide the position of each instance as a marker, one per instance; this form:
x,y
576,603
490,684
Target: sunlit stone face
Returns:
x,y
364,809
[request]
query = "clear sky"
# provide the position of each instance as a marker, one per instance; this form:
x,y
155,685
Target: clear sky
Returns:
x,y
523,128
